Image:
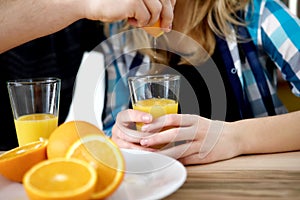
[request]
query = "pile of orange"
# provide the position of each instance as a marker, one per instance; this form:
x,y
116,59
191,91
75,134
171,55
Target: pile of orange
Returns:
x,y
81,163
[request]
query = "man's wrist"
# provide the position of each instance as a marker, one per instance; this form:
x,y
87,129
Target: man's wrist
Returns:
x,y
70,10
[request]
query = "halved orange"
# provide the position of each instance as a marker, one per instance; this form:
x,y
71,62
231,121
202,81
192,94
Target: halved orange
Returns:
x,y
105,157
16,162
60,179
154,30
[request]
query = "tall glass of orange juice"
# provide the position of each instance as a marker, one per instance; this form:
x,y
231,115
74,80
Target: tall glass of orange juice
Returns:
x,y
155,94
35,107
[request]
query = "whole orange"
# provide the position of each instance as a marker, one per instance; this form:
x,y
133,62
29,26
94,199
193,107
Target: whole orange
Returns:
x,y
66,134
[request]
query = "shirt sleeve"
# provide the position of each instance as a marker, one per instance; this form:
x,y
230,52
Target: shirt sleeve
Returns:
x,y
278,32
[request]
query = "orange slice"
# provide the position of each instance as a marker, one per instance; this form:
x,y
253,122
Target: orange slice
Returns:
x,y
60,179
16,162
105,157
154,30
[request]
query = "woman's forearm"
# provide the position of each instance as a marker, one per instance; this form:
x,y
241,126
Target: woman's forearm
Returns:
x,y
268,134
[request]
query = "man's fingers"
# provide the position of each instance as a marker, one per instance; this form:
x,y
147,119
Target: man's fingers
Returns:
x,y
155,9
167,13
147,14
150,11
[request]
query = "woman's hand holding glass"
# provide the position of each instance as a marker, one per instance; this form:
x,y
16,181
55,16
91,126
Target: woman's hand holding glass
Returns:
x,y
197,139
124,133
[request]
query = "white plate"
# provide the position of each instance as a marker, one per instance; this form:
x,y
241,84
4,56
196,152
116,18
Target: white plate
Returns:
x,y
149,176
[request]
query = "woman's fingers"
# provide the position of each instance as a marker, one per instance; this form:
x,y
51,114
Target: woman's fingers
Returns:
x,y
174,120
124,127
195,159
210,158
178,128
129,134
169,136
129,145
189,154
130,116
183,150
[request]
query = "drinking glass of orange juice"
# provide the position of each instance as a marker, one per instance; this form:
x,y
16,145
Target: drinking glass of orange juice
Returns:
x,y
35,106
155,94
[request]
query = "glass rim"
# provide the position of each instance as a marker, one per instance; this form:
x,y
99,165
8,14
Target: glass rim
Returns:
x,y
32,81
155,78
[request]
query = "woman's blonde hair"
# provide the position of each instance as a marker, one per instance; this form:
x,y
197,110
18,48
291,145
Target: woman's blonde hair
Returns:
x,y
202,20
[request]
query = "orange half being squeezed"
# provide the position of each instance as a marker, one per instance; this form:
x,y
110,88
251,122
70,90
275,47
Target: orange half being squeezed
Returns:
x,y
154,30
